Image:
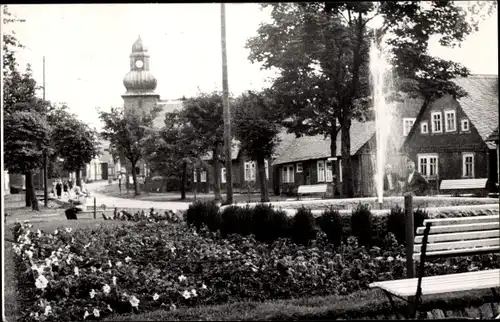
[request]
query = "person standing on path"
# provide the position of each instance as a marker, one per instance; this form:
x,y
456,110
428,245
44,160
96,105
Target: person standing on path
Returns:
x,y
120,183
415,183
65,188
58,189
70,184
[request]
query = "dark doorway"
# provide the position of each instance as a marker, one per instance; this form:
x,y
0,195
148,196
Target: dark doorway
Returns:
x,y
104,171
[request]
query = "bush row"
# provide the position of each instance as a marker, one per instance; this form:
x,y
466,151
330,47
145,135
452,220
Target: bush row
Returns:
x,y
269,224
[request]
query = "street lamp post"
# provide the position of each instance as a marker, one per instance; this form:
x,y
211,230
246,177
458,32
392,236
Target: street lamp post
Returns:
x,y
45,157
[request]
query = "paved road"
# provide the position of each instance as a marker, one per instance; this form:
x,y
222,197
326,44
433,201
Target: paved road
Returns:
x,y
128,203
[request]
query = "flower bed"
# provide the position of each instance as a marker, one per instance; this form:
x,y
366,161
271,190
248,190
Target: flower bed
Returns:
x,y
71,275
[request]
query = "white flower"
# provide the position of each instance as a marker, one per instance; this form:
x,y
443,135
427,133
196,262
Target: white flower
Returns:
x,y
36,315
72,239
390,259
379,258
109,308
28,253
127,259
92,293
186,294
93,269
68,260
109,263
182,278
56,232
173,307
96,313
41,282
172,249
106,289
85,314
119,252
77,272
156,296
204,287
48,261
114,280
134,301
39,233
68,229
67,247
48,309
119,264
193,292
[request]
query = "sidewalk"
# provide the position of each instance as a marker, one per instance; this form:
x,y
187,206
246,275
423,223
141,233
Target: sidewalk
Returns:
x,y
112,202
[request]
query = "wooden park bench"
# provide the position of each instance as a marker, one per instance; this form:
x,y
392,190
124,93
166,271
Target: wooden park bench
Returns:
x,y
312,189
456,186
448,237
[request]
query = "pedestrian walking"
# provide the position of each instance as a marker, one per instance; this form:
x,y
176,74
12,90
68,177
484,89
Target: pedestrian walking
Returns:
x,y
58,189
65,188
70,184
120,183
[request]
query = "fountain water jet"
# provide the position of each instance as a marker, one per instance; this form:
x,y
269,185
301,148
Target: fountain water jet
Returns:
x,y
382,85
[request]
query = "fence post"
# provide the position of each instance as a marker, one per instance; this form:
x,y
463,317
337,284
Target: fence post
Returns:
x,y
409,234
95,208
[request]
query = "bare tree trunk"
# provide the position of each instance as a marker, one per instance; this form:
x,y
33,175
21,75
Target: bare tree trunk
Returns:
x,y
183,180
348,186
264,190
216,172
134,177
333,153
27,192
32,192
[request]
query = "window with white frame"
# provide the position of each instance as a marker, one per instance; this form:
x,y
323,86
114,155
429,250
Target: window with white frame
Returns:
x,y
424,127
250,171
223,175
195,178
329,171
428,164
437,126
407,124
287,174
464,125
266,165
203,176
321,171
299,167
468,165
450,121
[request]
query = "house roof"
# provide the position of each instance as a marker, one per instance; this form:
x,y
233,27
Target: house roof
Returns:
x,y
481,103
318,147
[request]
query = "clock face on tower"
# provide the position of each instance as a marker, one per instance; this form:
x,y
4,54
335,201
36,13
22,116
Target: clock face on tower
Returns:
x,y
139,63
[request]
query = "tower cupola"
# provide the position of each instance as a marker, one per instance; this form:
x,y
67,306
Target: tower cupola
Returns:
x,y
139,80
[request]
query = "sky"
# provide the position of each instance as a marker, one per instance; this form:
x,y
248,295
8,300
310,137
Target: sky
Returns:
x,y
87,47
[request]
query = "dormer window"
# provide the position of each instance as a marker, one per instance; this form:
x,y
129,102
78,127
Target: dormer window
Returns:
x,y
437,126
424,127
450,121
407,124
464,124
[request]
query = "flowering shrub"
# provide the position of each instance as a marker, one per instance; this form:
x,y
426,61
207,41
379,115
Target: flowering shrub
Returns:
x,y
86,274
361,223
151,216
331,223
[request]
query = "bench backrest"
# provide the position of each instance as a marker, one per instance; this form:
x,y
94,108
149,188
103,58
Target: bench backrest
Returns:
x,y
464,184
315,188
459,236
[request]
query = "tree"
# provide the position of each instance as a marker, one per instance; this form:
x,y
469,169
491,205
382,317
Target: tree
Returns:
x,y
204,113
174,149
73,141
256,128
321,51
128,133
26,137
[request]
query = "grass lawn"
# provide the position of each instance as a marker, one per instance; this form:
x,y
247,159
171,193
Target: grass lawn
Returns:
x,y
113,191
367,304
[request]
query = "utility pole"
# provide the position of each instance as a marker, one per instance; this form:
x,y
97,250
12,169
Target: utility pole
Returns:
x,y
227,112
45,157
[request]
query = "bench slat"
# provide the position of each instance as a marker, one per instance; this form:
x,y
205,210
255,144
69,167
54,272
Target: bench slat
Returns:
x,y
317,188
442,284
463,184
458,236
459,244
458,252
459,228
462,220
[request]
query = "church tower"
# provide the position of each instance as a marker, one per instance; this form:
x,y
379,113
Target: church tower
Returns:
x,y
139,81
